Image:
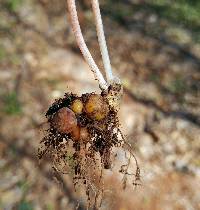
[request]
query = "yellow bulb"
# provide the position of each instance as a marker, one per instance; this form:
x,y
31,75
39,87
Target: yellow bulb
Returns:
x,y
77,106
96,107
92,104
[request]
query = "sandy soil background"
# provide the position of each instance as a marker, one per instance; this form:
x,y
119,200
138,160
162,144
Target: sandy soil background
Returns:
x,y
156,53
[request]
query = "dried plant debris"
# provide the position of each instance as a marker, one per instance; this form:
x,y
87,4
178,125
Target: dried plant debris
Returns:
x,y
80,139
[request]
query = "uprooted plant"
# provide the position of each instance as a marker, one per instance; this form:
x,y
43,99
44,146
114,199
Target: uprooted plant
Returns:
x,y
84,130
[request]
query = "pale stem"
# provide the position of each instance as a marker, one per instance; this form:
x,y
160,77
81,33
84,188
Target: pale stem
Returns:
x,y
102,41
82,45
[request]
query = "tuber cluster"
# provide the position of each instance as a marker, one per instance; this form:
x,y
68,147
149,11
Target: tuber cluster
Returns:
x,y
82,132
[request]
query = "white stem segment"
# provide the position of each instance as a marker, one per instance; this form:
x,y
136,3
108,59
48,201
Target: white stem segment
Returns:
x,y
82,45
102,41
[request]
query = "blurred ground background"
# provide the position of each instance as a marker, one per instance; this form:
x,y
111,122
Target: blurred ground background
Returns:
x,y
155,50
